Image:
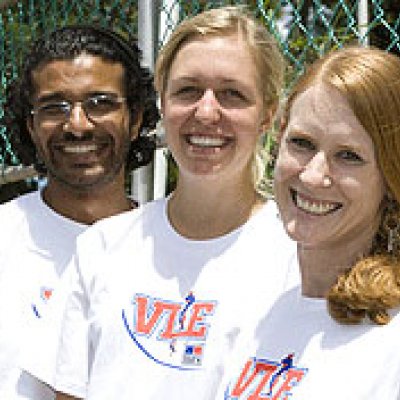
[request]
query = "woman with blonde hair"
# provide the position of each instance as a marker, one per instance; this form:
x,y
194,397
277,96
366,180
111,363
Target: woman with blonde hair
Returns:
x,y
163,294
337,186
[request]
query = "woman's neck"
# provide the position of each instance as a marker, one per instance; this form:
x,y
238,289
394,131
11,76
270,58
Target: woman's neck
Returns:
x,y
320,267
197,212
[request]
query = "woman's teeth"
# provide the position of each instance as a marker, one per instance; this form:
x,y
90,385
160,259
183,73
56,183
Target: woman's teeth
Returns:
x,y
206,141
314,206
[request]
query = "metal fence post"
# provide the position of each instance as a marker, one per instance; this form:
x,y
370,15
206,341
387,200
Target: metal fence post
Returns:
x,y
168,19
142,178
363,20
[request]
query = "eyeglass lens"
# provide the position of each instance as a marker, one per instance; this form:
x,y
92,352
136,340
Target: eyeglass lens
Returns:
x,y
94,107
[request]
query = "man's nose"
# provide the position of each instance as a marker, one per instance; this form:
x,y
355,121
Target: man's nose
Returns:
x,y
78,121
208,108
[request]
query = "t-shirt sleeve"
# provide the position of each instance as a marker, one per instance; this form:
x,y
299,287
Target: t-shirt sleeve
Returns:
x,y
43,329
77,345
72,362
48,357
73,356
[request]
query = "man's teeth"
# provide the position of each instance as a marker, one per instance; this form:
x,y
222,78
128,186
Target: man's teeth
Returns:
x,y
314,207
80,149
206,141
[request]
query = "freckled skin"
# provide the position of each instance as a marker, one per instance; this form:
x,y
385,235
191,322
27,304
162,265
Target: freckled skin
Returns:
x,y
321,139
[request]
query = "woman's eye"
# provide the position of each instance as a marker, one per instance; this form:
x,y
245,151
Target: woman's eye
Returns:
x,y
233,93
351,156
188,91
231,98
301,143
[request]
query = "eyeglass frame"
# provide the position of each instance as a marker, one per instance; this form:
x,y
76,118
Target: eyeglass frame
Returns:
x,y
70,105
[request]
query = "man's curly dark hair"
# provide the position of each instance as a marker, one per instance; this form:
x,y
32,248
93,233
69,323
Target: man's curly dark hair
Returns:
x,y
67,43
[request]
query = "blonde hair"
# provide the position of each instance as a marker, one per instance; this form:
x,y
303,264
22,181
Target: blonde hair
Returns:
x,y
370,81
222,22
226,21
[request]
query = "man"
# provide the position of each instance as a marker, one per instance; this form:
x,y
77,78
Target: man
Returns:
x,y
80,112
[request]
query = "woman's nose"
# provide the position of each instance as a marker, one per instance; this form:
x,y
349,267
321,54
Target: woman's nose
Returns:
x,y
208,107
316,171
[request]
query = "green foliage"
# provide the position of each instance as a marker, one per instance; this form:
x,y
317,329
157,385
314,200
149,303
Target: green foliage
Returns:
x,y
25,20
305,29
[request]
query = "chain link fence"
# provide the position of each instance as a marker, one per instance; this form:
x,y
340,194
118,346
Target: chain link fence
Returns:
x,y
305,29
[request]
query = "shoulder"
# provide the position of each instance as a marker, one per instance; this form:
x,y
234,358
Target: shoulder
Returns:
x,y
267,229
270,210
268,218
110,240
112,230
15,212
21,204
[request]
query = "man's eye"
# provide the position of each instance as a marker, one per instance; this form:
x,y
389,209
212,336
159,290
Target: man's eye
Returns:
x,y
102,102
350,156
54,108
301,143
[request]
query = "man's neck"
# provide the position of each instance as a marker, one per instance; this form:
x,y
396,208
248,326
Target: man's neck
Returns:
x,y
87,206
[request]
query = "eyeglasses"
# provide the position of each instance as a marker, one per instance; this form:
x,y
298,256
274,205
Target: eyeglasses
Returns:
x,y
95,107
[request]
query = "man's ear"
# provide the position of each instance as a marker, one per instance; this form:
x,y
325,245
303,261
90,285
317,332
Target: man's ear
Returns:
x,y
29,125
135,127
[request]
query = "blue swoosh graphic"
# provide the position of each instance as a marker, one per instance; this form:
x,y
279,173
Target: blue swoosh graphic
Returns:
x,y
35,311
147,353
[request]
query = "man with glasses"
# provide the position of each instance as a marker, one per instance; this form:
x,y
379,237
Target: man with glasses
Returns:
x,y
81,112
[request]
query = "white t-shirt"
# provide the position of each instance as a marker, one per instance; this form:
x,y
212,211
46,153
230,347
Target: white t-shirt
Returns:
x,y
36,245
154,315
299,352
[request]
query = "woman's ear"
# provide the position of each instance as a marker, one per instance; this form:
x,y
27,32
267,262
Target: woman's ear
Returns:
x,y
162,105
282,125
268,119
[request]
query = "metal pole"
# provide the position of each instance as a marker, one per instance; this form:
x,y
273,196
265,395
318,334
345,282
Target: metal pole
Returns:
x,y
169,18
142,178
363,20
160,167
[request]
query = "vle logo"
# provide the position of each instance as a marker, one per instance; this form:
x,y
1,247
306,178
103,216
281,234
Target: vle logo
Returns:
x,y
157,326
263,379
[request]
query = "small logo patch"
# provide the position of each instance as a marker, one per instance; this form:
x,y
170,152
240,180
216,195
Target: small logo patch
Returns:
x,y
45,294
193,354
